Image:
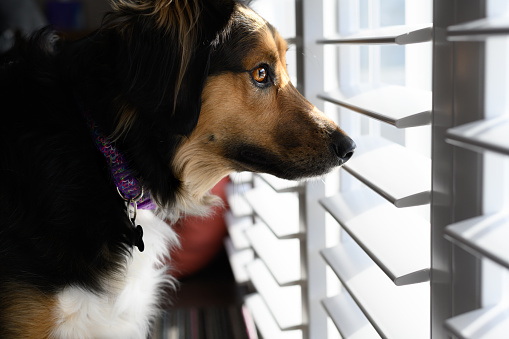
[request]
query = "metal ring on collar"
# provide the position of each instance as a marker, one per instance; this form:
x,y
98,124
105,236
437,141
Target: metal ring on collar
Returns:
x,y
135,199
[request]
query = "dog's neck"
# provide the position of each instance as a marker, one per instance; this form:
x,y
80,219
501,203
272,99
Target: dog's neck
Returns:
x,y
127,185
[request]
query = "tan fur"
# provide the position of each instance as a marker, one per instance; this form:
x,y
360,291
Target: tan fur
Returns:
x,y
198,162
29,313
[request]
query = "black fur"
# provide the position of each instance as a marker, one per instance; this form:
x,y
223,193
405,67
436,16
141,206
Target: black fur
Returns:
x,y
61,219
235,42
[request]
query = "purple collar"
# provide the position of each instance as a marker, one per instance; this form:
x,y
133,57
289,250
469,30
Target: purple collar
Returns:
x,y
127,185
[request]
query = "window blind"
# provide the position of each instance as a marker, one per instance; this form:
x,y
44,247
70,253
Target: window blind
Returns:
x,y
238,219
383,259
274,239
408,239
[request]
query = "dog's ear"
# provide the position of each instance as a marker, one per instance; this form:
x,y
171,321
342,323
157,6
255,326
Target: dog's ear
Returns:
x,y
165,60
213,17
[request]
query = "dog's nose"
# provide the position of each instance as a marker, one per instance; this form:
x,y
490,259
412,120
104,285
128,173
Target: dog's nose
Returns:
x,y
343,146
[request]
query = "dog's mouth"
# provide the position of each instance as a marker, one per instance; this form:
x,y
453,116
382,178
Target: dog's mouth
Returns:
x,y
253,157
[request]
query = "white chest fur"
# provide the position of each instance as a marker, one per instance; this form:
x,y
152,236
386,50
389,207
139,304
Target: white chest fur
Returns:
x,y
130,303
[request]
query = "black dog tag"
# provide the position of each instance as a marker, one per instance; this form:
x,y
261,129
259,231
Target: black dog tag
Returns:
x,y
138,237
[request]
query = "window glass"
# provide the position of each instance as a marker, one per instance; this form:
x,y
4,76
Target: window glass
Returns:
x,y
364,14
392,12
392,65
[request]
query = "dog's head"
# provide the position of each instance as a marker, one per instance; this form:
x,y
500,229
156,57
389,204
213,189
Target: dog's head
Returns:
x,y
219,100
252,117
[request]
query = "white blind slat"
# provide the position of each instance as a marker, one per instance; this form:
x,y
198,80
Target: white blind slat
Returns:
x,y
489,135
279,211
413,108
282,257
401,35
394,311
387,234
236,228
485,323
265,322
234,195
348,318
479,29
487,235
238,261
399,175
284,303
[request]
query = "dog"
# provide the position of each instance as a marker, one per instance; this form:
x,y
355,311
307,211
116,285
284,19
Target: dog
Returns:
x,y
106,136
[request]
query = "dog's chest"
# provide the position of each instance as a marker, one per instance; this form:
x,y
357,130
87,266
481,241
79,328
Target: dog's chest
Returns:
x,y
131,302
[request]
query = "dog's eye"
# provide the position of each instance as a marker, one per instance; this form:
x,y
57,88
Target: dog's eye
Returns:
x,y
260,75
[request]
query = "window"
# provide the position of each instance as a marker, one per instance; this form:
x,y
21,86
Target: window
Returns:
x,y
408,239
